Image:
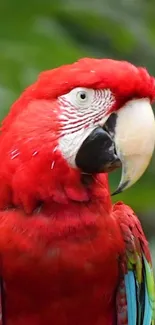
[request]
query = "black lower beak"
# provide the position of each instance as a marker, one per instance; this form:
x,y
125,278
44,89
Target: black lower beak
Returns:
x,y
97,153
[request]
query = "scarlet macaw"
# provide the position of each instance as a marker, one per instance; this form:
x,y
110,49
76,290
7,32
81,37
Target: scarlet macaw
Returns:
x,y
68,256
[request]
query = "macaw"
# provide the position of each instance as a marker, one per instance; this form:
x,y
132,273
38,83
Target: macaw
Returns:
x,y
68,256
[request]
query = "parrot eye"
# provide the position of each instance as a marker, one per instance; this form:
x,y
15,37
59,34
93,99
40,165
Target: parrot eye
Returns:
x,y
80,97
83,95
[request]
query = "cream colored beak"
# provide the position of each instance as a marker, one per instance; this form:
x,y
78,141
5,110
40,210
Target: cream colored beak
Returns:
x,y
134,140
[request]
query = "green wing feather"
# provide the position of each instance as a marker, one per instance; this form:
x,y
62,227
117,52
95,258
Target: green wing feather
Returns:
x,y
136,292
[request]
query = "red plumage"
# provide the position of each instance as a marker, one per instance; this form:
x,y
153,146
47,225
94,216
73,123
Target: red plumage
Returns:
x,y
60,240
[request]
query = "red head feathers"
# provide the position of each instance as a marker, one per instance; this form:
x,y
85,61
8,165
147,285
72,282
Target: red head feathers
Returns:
x,y
124,79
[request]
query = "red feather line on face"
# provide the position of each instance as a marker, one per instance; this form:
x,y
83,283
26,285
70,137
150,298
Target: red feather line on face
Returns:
x,y
74,119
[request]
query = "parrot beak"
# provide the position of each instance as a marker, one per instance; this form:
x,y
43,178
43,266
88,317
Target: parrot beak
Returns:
x,y
125,138
134,138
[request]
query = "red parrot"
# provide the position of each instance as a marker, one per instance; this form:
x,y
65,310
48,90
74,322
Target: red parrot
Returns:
x,y
68,256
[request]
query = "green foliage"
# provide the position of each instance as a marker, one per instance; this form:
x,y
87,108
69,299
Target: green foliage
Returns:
x,y
38,35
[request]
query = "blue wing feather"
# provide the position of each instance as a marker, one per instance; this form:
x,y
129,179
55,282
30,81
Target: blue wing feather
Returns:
x,y
131,298
135,299
132,303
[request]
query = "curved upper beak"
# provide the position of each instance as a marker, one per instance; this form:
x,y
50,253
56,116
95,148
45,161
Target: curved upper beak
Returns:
x,y
125,138
134,138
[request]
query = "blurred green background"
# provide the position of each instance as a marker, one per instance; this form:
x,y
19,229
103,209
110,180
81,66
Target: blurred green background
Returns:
x,y
40,34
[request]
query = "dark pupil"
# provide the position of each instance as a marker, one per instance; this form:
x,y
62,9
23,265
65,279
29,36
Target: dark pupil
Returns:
x,y
83,95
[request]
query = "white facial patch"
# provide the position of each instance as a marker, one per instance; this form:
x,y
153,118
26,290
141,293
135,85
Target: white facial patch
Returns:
x,y
82,110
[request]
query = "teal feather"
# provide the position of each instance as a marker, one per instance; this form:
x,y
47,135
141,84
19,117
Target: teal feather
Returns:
x,y
131,301
138,306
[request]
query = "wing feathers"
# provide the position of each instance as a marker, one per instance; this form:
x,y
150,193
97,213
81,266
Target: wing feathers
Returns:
x,y
136,269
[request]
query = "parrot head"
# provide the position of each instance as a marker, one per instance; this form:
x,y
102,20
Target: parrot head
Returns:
x,y
85,118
